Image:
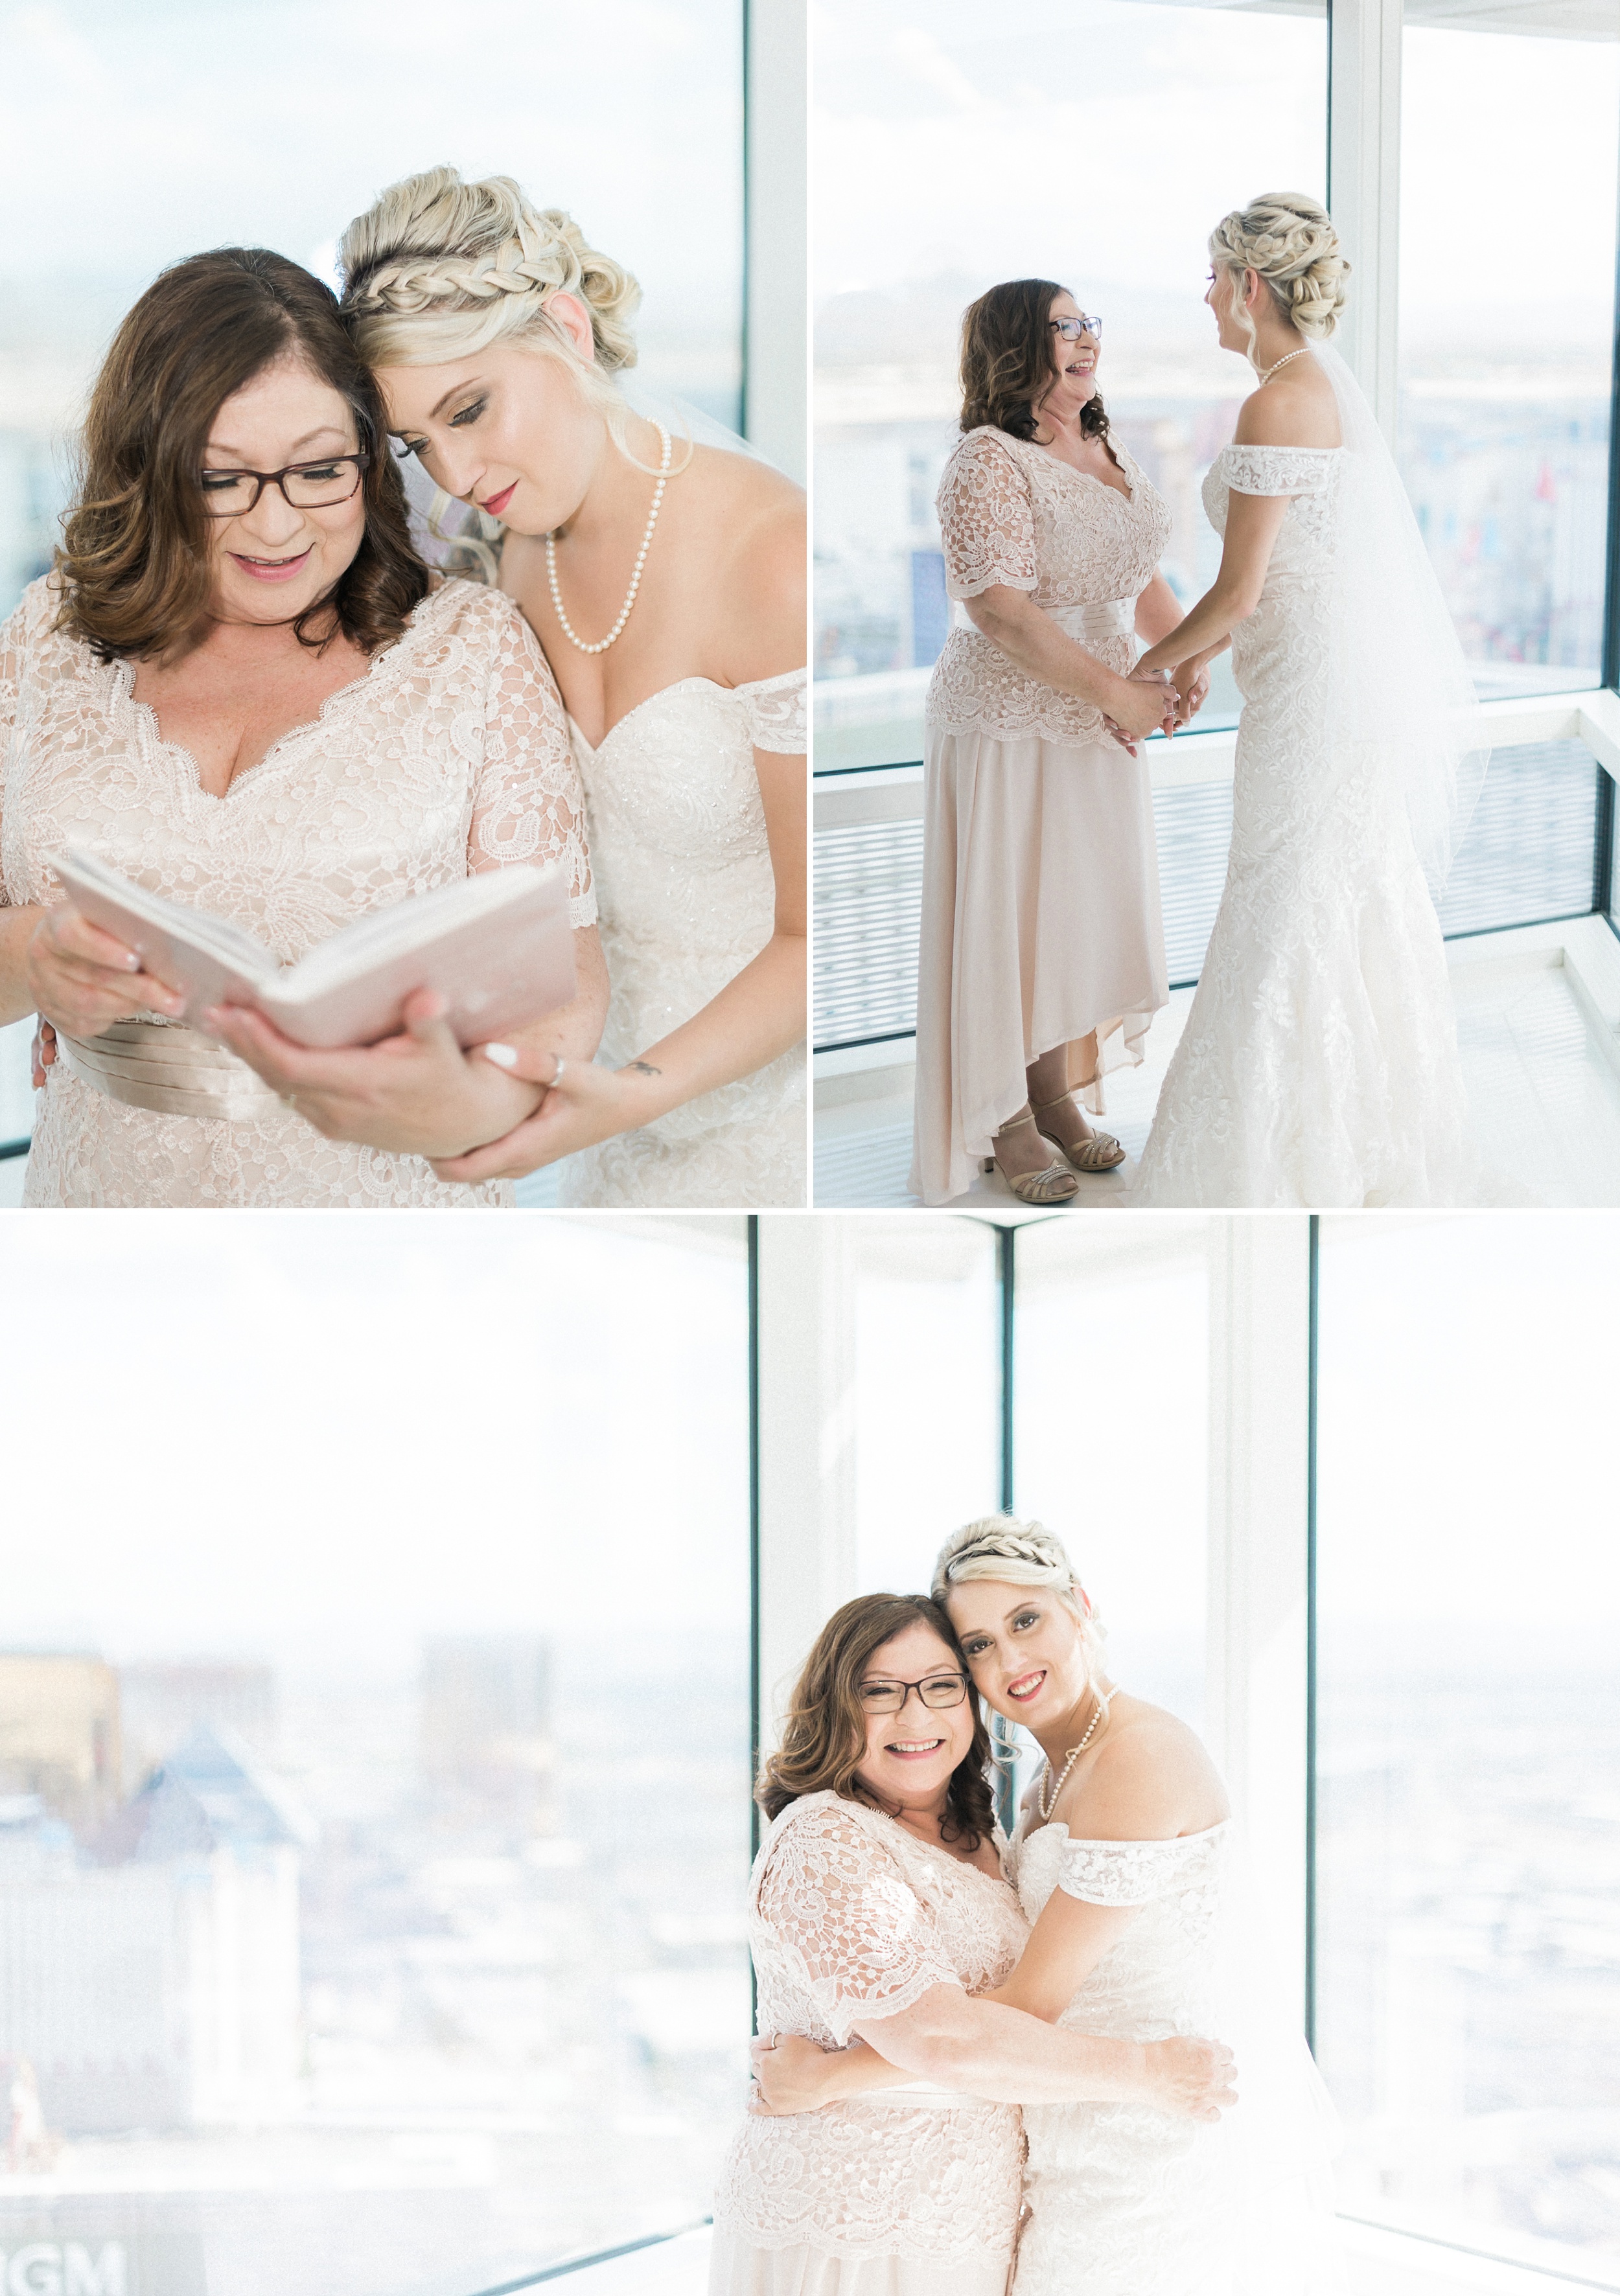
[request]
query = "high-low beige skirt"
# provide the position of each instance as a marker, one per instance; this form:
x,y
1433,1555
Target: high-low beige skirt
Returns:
x,y
1040,922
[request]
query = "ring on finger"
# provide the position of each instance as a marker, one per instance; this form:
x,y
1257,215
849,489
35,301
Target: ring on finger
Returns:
x,y
557,1073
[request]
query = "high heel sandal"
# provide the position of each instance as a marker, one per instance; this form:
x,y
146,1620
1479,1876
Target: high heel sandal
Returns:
x,y
1099,1152
1055,1186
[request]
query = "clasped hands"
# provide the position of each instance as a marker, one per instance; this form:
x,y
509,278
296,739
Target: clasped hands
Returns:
x,y
1180,693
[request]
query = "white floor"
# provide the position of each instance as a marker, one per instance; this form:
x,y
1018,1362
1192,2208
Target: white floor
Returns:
x,y
1543,1085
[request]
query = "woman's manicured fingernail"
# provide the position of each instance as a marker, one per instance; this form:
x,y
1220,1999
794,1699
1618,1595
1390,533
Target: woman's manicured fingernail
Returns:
x,y
505,1056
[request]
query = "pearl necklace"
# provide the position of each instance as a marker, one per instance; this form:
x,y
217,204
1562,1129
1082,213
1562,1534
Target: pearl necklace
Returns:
x,y
1282,362
1046,1806
641,559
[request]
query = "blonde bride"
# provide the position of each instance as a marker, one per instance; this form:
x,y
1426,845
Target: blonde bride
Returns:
x,y
665,579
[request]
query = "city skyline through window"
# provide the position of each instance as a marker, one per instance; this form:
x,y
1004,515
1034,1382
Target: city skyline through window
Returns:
x,y
374,1792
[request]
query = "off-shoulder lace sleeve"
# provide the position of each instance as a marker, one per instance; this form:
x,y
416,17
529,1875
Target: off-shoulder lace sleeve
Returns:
x,y
837,1902
529,804
1274,470
1122,1872
987,519
777,713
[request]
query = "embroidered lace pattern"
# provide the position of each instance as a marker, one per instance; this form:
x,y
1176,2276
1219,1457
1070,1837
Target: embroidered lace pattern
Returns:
x,y
1319,1065
1126,2201
450,754
851,1918
1012,514
687,898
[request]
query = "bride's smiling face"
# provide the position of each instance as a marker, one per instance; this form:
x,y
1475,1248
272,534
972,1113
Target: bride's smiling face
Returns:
x,y
1024,1649
509,429
1074,362
909,1756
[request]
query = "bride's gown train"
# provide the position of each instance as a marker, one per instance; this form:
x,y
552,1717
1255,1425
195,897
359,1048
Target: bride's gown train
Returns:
x,y
1318,1065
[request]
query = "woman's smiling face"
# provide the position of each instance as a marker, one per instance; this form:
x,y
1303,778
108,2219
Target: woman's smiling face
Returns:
x,y
272,562
1074,362
909,1756
508,429
1025,1650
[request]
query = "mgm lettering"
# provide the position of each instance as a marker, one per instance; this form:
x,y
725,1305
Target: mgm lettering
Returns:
x,y
51,2267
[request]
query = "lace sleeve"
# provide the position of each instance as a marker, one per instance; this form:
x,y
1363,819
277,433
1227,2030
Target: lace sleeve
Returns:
x,y
1273,470
1121,1873
777,712
987,519
865,1943
530,805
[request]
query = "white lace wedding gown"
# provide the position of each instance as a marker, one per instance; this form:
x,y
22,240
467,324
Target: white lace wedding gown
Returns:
x,y
450,754
910,2192
1124,2200
685,892
1319,1065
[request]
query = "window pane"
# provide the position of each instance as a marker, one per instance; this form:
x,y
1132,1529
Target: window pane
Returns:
x,y
629,117
373,1744
1505,385
1467,1945
1111,1374
948,159
921,1320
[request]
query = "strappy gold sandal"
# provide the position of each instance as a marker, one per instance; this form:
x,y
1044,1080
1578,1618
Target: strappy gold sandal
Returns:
x,y
1055,1186
1100,1153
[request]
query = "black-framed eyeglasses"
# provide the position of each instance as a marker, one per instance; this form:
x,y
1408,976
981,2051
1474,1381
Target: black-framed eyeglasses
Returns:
x,y
936,1690
304,486
1071,330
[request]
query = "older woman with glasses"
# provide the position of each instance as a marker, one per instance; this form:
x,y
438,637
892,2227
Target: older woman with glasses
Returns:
x,y
878,1910
242,688
1043,957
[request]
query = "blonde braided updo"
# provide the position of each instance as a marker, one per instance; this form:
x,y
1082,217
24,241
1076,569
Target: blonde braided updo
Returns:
x,y
437,269
1021,1554
1290,241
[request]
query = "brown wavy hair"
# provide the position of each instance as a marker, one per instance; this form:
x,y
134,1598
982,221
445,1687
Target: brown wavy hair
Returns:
x,y
1006,360
134,566
825,1733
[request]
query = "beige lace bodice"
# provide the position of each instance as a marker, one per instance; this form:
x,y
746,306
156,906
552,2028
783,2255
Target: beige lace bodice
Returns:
x,y
1011,514
852,1918
450,755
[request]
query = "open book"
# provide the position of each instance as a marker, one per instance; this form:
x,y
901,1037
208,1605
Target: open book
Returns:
x,y
496,947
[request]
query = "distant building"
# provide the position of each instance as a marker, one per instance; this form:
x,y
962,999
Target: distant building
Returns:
x,y
486,1737
60,1734
162,1704
158,1986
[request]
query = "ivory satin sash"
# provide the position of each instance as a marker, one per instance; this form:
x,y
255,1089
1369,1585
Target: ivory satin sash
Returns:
x,y
1116,618
172,1070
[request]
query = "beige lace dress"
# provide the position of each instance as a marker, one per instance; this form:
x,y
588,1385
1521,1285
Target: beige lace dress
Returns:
x,y
910,2192
1041,916
450,754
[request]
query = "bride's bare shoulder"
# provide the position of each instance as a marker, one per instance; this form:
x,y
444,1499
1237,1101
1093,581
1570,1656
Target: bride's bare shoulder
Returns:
x,y
1152,1777
1297,410
753,531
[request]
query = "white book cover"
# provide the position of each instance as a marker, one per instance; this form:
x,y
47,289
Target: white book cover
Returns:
x,y
496,947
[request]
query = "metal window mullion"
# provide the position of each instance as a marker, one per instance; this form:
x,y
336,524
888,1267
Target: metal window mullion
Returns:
x,y
1256,1701
1364,187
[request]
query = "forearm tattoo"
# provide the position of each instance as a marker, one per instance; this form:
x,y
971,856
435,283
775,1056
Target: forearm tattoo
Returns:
x,y
641,1068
